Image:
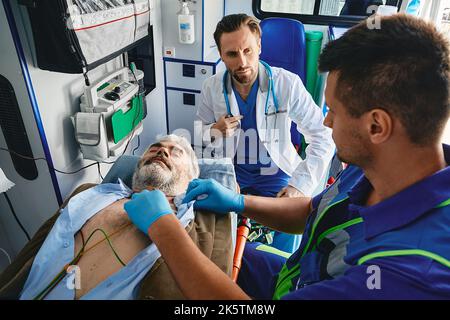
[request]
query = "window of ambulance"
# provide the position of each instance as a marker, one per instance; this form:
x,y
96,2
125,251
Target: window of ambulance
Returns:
x,y
439,12
343,13
443,19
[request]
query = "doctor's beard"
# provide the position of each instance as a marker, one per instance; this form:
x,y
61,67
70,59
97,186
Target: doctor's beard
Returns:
x,y
244,79
155,176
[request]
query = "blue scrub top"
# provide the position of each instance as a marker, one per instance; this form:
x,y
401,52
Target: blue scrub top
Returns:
x,y
249,162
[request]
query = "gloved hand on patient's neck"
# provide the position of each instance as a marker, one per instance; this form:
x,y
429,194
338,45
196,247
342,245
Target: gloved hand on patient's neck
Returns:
x,y
146,207
211,195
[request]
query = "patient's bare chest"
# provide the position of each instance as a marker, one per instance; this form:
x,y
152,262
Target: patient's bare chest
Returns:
x,y
99,261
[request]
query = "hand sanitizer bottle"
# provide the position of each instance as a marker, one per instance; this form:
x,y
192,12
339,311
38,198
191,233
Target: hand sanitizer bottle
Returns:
x,y
186,31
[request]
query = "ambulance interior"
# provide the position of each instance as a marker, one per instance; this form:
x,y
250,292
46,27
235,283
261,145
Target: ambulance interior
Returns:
x,y
82,84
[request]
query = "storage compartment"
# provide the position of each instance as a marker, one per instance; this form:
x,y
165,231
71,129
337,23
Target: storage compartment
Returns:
x,y
144,57
186,75
72,35
182,108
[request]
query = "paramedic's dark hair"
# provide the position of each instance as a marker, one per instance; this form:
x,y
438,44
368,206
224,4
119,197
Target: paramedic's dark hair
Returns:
x,y
234,22
402,67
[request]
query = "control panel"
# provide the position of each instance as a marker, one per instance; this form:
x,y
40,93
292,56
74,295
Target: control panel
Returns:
x,y
110,93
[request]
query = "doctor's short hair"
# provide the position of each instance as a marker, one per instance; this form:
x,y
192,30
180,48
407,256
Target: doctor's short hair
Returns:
x,y
234,22
194,169
402,67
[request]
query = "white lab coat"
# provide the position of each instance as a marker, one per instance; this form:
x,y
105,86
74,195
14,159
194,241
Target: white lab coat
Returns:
x,y
300,108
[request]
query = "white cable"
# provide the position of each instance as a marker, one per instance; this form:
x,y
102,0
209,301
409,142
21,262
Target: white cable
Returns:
x,y
7,255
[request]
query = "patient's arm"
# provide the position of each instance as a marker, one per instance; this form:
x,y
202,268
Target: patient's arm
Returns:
x,y
195,274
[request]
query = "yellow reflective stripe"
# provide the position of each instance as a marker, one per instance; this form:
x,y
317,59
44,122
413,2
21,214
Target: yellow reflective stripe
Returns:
x,y
444,204
273,250
317,222
284,283
412,252
285,276
339,227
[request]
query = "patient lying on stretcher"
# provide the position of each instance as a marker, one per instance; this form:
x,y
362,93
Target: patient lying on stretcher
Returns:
x,y
123,265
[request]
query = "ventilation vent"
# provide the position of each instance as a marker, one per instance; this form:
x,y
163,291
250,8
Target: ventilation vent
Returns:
x,y
14,131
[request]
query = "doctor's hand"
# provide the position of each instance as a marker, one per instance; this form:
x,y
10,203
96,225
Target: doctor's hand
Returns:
x,y
146,207
211,195
226,126
289,192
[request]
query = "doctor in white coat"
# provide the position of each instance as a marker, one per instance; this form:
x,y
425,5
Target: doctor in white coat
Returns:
x,y
246,113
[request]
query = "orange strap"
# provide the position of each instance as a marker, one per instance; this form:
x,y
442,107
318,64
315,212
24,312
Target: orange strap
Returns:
x,y
241,238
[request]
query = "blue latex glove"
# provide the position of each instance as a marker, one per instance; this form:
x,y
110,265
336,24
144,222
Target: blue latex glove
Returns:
x,y
211,195
146,207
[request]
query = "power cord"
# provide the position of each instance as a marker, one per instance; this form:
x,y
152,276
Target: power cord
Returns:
x,y
6,254
35,159
138,145
99,172
15,217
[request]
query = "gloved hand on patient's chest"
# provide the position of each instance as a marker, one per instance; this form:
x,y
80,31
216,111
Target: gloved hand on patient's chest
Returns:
x,y
211,195
146,207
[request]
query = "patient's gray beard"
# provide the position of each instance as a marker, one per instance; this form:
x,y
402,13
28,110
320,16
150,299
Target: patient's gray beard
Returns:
x,y
153,175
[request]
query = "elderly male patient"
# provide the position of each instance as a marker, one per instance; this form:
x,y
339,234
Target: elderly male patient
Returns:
x,y
110,257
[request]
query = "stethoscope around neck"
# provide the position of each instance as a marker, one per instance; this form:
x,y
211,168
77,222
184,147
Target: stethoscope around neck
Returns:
x,y
271,92
270,89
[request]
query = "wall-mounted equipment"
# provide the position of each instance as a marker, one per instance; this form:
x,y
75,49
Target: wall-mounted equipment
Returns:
x,y
111,114
75,36
143,56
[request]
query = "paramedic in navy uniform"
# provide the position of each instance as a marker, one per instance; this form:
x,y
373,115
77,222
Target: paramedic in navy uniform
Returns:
x,y
250,106
382,229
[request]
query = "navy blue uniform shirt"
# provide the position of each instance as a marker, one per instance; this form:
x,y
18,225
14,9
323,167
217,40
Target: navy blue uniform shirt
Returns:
x,y
396,249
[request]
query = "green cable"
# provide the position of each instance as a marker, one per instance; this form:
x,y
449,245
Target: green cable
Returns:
x,y
110,245
50,287
63,272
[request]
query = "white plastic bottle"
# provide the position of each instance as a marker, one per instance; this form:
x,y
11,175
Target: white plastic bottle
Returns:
x,y
186,31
